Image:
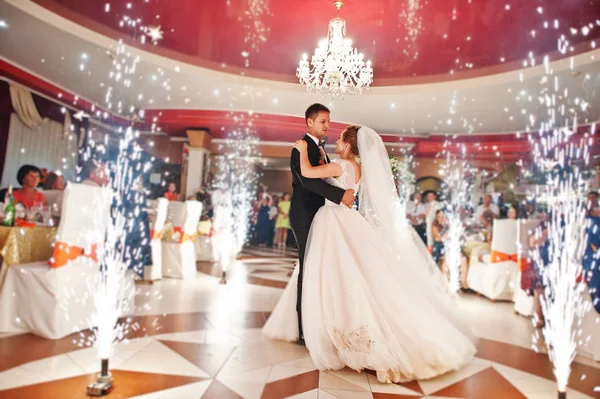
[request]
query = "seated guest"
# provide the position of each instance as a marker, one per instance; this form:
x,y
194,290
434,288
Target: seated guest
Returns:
x,y
54,181
171,193
29,177
488,226
53,190
97,175
487,206
512,213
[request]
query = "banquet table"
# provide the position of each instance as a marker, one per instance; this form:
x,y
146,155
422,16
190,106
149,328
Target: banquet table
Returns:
x,y
20,245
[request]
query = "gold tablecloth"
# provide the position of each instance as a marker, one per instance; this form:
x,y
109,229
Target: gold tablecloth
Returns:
x,y
471,245
20,245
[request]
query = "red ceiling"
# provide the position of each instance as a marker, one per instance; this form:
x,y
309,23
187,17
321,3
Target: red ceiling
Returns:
x,y
479,31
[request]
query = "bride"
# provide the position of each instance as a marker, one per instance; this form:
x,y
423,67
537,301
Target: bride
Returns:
x,y
372,298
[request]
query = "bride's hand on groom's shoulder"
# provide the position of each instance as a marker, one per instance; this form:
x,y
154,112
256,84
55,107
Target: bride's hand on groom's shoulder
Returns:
x,y
301,145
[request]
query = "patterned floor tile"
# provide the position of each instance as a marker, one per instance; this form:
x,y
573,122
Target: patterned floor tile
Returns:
x,y
292,386
249,384
330,381
217,390
127,384
157,358
209,358
190,391
395,389
481,385
435,384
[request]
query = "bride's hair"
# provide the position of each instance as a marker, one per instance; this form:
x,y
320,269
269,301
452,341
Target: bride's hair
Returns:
x,y
350,137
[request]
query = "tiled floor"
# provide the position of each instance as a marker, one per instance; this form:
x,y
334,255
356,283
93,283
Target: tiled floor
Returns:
x,y
201,339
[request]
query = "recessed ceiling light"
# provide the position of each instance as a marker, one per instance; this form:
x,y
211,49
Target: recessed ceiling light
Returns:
x,y
3,24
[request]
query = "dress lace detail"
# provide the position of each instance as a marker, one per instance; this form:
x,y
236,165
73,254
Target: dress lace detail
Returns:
x,y
354,341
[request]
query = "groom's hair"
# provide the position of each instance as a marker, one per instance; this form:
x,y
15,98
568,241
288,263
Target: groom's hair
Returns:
x,y
313,111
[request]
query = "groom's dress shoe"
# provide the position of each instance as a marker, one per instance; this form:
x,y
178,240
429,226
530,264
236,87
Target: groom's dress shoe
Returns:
x,y
301,342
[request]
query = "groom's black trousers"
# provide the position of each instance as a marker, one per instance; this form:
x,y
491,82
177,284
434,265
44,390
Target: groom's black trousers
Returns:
x,y
301,236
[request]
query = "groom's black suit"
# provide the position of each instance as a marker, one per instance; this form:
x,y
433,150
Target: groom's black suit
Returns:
x,y
307,197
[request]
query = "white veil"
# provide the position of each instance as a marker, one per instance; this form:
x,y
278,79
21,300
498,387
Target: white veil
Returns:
x,y
379,204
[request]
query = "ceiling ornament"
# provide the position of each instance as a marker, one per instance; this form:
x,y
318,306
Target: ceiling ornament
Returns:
x,y
336,70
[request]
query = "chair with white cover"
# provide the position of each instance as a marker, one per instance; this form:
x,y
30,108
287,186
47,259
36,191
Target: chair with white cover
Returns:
x,y
154,271
590,326
178,250
55,300
523,303
203,244
495,277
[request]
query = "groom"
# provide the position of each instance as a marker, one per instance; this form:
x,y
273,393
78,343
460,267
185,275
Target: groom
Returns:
x,y
309,194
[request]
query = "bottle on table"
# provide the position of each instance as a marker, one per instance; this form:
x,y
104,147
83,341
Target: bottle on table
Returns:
x,y
9,208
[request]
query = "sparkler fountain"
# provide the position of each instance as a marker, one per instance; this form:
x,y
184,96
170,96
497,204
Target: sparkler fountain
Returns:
x,y
112,290
458,189
236,185
562,153
562,304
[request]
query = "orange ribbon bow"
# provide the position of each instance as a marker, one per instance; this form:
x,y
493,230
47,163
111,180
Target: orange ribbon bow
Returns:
x,y
497,257
524,264
183,236
64,253
156,234
23,223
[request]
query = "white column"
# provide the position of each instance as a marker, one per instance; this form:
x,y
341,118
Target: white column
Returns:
x,y
195,169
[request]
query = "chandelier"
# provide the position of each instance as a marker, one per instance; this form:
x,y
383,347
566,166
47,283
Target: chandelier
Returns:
x,y
336,70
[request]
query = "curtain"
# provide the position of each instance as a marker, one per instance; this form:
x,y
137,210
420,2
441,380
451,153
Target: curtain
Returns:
x,y
43,146
22,102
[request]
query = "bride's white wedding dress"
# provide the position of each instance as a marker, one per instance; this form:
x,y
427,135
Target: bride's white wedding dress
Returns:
x,y
362,306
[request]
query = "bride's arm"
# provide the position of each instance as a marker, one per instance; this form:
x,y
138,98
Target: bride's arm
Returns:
x,y
332,169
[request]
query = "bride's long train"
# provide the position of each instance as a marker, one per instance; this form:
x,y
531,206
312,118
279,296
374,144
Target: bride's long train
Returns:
x,y
363,307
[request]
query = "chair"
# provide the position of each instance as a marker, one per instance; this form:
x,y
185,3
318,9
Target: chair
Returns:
x,y
57,301
203,244
495,277
523,303
178,251
54,197
590,326
154,271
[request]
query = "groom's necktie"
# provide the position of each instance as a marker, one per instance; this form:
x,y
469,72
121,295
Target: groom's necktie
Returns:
x,y
322,149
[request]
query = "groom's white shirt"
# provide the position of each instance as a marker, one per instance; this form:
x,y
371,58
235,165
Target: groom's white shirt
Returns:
x,y
316,140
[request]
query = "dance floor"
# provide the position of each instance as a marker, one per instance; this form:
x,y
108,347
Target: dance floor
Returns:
x,y
200,339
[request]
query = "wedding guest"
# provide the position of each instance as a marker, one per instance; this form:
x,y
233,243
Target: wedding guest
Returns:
x,y
487,206
53,190
97,174
488,226
415,212
263,223
283,221
431,208
171,193
593,208
512,213
54,181
29,177
439,231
